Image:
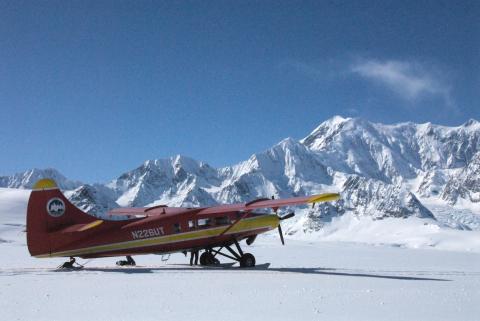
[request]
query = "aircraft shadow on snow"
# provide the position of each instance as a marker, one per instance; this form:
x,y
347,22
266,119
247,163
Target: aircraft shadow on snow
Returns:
x,y
259,268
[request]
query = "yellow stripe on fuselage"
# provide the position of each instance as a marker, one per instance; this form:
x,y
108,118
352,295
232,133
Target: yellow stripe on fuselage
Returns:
x,y
245,225
91,225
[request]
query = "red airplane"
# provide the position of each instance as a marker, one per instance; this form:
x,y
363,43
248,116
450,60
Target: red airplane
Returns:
x,y
56,228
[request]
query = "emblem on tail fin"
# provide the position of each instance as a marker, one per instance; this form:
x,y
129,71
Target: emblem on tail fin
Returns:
x,y
55,207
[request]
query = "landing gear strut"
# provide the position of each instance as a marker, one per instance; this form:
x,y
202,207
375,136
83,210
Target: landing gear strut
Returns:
x,y
245,259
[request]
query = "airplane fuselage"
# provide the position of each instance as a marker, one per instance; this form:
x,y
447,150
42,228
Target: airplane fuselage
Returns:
x,y
165,233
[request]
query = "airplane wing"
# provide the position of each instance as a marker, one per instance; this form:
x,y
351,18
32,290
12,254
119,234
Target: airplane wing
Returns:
x,y
271,203
139,212
152,213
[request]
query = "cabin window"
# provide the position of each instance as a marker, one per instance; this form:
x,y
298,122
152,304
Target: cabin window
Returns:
x,y
176,228
204,222
222,220
191,224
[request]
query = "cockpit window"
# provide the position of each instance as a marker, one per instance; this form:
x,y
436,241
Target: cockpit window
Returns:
x,y
204,222
176,228
222,220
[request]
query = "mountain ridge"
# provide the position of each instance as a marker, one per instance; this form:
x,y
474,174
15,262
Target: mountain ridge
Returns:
x,y
382,171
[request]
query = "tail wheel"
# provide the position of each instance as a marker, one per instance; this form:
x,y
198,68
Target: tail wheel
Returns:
x,y
247,260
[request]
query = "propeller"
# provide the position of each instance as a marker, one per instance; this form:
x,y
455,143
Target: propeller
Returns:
x,y
284,217
281,234
281,218
287,216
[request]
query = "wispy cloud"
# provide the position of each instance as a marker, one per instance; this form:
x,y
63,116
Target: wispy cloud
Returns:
x,y
408,79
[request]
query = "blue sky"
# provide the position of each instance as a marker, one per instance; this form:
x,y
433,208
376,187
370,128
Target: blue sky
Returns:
x,y
94,88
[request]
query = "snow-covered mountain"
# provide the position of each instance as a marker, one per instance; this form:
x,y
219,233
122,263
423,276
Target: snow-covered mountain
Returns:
x,y
175,181
464,184
95,199
27,179
381,170
286,169
390,152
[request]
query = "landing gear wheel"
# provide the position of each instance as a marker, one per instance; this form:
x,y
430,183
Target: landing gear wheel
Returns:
x,y
207,258
247,260
204,258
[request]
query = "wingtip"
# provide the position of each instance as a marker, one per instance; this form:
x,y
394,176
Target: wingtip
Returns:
x,y
326,197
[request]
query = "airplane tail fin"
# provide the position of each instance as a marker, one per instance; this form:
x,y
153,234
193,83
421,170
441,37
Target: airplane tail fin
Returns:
x,y
49,211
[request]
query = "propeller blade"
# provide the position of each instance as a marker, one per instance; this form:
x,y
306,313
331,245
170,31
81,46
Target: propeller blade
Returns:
x,y
289,215
281,234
